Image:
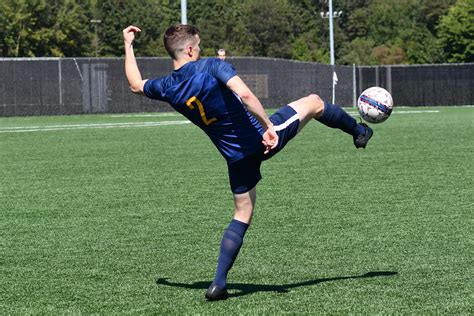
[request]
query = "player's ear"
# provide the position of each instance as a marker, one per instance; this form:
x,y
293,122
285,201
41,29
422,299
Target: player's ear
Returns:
x,y
190,51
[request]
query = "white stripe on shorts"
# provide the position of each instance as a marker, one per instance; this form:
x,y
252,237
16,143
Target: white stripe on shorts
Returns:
x,y
286,123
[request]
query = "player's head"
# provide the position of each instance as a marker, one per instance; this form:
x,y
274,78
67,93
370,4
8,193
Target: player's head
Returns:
x,y
182,40
221,54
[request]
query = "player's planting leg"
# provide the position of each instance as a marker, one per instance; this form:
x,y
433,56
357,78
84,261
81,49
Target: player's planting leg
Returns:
x,y
231,243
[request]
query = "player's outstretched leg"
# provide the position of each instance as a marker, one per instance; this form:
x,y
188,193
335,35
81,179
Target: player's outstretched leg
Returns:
x,y
335,117
361,140
313,107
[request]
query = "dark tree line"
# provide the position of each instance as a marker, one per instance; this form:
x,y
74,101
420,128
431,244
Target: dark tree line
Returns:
x,y
366,31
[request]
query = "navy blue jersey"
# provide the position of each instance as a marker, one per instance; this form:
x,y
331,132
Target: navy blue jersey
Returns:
x,y
198,91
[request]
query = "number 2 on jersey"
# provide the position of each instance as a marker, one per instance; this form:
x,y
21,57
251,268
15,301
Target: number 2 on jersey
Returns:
x,y
196,101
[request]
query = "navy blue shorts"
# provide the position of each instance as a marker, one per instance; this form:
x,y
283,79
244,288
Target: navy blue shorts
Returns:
x,y
244,174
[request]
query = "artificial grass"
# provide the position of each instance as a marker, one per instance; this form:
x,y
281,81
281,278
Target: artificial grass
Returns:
x,y
129,220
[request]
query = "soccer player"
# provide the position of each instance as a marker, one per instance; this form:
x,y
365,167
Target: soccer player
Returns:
x,y
211,95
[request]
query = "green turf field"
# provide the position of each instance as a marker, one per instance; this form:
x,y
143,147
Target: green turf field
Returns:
x,y
124,214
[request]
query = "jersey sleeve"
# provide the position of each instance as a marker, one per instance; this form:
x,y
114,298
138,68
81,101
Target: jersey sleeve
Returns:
x,y
153,89
222,70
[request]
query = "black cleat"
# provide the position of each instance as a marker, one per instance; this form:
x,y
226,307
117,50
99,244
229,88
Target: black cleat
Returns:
x,y
215,293
361,140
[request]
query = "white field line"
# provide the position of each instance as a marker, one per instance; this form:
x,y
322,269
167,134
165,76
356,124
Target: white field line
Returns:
x,y
22,129
161,114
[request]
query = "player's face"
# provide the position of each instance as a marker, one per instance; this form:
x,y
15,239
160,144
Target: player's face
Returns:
x,y
197,48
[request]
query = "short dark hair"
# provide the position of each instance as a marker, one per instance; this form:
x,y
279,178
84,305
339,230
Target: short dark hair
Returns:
x,y
177,36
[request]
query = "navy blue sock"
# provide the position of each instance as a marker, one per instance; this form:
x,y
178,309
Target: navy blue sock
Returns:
x,y
230,246
335,117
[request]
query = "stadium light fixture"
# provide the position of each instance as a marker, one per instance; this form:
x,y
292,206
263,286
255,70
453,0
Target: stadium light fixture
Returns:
x,y
336,14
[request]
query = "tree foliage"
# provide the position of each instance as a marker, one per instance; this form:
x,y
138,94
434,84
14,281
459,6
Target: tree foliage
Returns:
x,y
367,32
456,32
45,28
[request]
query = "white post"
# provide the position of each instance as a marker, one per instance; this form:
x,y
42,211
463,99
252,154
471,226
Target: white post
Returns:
x,y
389,78
184,10
331,32
333,86
331,47
354,89
60,79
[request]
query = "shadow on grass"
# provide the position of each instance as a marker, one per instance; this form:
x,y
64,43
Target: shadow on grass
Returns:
x,y
246,288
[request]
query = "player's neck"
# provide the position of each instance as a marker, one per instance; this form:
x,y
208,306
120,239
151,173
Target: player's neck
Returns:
x,y
181,62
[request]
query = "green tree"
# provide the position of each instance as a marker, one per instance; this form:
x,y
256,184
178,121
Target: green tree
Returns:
x,y
456,32
14,26
217,20
32,28
432,10
356,24
114,15
398,31
388,55
270,27
368,31
358,51
68,33
419,45
152,17
305,48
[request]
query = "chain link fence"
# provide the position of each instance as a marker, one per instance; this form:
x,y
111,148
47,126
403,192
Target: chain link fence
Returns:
x,y
422,85
58,86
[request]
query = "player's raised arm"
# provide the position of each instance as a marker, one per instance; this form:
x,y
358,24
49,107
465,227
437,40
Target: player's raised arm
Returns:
x,y
132,72
270,137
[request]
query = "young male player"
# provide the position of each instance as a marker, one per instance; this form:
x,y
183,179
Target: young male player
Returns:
x,y
210,94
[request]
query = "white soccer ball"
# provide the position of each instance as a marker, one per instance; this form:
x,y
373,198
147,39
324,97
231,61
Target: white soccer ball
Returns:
x,y
375,104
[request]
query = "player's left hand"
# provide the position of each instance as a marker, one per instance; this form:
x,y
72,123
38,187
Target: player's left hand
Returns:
x,y
270,139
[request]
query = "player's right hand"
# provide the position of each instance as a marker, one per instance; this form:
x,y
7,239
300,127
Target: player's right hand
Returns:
x,y
129,34
270,139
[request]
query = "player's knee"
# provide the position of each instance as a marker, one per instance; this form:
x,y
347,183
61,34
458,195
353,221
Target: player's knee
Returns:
x,y
243,215
317,104
243,212
246,208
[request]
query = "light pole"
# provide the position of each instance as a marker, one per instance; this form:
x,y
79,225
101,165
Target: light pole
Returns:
x,y
330,15
331,35
184,12
96,38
